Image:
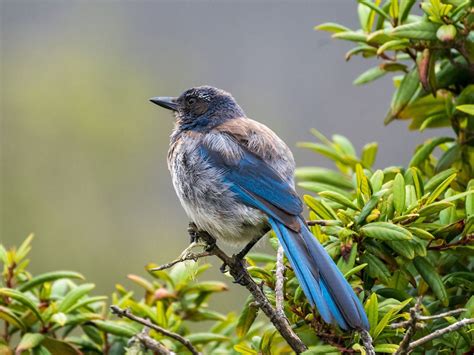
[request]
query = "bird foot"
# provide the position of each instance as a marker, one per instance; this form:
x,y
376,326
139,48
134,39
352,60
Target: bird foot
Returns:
x,y
236,268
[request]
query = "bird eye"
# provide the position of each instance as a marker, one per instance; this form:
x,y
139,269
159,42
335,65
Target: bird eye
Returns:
x,y
191,101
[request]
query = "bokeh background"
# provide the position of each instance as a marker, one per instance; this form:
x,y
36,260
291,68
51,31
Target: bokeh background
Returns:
x,y
83,153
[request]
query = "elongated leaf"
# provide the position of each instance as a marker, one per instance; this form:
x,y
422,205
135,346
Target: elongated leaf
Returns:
x,y
405,248
434,208
376,268
331,27
372,309
115,328
436,180
341,199
351,36
432,278
354,270
374,7
386,348
73,296
393,45
423,30
323,175
385,231
369,75
247,318
399,193
404,94
469,109
204,338
440,188
56,346
367,51
405,7
29,341
49,277
369,152
10,317
424,152
21,298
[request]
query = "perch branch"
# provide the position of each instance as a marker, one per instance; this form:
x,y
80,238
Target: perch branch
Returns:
x,y
279,284
184,257
440,332
143,339
367,341
425,318
239,272
127,314
411,329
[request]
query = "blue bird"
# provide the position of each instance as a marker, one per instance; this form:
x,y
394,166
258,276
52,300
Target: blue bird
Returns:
x,y
235,179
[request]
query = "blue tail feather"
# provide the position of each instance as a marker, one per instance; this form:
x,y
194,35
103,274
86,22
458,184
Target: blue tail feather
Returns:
x,y
322,282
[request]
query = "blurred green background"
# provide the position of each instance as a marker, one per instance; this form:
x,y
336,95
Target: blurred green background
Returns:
x,y
83,153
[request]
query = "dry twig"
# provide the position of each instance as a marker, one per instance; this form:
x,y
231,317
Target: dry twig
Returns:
x,y
127,314
279,284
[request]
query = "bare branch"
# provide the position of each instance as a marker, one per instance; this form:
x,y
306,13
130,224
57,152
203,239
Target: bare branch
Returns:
x,y
411,329
440,332
279,284
127,314
240,274
184,257
367,342
442,315
143,339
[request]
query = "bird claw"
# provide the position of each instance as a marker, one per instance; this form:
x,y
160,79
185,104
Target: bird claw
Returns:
x,y
193,233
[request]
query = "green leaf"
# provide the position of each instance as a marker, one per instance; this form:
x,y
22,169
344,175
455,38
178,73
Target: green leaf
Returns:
x,y
320,187
399,193
369,75
376,268
423,30
369,206
469,109
121,330
29,341
369,152
318,206
367,51
49,277
385,231
372,309
432,278
426,149
405,7
404,248
470,199
204,338
331,27
10,317
449,157
404,94
440,188
73,296
351,36
354,270
323,175
23,299
376,180
386,348
321,349
436,180
434,208
247,317
394,9
393,45
56,346
374,7
24,248
342,200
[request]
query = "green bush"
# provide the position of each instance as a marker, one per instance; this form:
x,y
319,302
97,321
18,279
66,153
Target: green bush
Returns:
x,y
401,235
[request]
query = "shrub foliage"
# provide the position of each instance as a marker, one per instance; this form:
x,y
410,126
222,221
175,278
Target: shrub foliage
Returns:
x,y
398,234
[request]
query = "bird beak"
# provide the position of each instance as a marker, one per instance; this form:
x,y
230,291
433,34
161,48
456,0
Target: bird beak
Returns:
x,y
166,102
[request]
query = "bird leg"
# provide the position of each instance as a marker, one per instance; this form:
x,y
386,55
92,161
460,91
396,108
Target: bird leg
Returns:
x,y
241,254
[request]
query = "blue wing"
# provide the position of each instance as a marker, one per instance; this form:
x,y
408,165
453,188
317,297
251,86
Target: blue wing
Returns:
x,y
257,184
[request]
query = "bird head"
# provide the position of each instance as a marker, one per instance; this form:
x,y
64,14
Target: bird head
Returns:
x,y
203,106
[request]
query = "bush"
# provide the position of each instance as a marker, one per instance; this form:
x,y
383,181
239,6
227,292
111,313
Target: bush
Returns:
x,y
402,236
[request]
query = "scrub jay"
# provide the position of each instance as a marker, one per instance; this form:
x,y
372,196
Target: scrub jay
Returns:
x,y
234,178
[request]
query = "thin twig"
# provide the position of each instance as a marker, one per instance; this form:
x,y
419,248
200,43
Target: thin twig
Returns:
x,y
406,323
367,341
440,332
127,314
184,257
411,329
143,339
279,284
241,276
